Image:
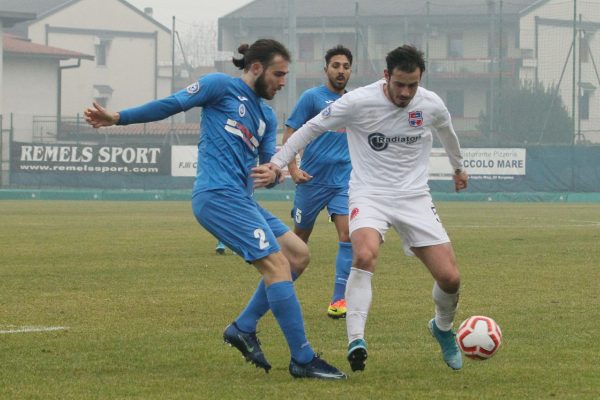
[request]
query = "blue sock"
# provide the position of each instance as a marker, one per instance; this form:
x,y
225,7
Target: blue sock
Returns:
x,y
343,263
256,308
286,309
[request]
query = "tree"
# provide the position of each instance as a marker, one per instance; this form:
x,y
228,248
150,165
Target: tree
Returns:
x,y
198,44
528,114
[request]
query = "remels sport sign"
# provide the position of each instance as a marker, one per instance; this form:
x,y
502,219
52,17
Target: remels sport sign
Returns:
x,y
28,157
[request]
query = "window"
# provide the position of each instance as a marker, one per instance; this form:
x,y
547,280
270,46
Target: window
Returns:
x,y
415,39
498,46
455,100
101,50
584,49
102,93
584,105
306,48
101,100
455,45
347,40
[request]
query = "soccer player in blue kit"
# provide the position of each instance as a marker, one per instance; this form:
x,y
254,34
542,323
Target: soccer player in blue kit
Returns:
x,y
323,178
238,130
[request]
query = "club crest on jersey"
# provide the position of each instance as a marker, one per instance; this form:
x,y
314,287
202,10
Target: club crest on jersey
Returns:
x,y
415,118
193,88
242,110
354,213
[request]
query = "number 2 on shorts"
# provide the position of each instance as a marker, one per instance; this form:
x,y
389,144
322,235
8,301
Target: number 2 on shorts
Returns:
x,y
262,238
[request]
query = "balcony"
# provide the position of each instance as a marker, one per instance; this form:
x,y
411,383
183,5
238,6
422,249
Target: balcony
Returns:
x,y
471,67
442,68
468,68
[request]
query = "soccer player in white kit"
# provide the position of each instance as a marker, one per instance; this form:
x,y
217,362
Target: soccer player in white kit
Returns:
x,y
390,126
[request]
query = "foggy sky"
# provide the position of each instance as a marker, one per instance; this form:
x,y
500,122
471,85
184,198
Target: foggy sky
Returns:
x,y
189,11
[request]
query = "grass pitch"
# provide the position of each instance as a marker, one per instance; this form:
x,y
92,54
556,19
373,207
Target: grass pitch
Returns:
x,y
145,300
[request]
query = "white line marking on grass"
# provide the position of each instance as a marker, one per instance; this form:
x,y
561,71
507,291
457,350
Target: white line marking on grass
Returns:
x,y
587,222
30,329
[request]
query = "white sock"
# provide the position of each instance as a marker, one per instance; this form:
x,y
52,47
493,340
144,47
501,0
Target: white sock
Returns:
x,y
445,307
358,302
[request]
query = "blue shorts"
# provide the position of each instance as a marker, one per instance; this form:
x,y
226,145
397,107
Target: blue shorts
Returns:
x,y
310,200
237,220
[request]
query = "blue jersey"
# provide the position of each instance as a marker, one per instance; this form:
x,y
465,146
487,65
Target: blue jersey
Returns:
x,y
326,158
237,129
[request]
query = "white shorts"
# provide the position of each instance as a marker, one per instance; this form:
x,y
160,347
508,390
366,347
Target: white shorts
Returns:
x,y
414,217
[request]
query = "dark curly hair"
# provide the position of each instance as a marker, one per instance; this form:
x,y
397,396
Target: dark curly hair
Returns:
x,y
337,51
406,58
263,51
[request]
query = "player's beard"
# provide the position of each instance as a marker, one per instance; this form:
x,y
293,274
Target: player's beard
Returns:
x,y
402,103
260,86
338,85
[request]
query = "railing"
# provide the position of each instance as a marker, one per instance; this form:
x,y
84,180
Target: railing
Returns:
x,y
48,128
471,67
436,67
466,126
6,137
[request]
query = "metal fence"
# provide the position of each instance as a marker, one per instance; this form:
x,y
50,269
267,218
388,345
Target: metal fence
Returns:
x,y
75,129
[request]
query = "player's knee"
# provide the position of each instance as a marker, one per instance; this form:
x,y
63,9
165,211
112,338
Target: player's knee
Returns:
x,y
449,282
299,260
274,268
364,258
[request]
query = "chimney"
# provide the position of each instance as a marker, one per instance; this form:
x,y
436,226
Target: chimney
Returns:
x,y
149,12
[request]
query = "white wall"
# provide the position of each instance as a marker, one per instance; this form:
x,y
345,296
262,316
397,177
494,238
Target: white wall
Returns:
x,y
30,88
1,65
130,68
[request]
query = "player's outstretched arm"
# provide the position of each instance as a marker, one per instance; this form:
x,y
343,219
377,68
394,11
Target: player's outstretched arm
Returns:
x,y
97,116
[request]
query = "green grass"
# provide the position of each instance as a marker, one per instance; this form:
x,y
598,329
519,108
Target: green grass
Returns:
x,y
146,299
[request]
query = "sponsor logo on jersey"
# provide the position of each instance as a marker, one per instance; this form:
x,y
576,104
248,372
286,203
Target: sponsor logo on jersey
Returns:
x,y
329,101
193,88
415,118
242,110
354,213
239,130
379,142
243,98
326,112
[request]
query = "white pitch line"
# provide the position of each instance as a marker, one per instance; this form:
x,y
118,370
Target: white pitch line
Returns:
x,y
30,329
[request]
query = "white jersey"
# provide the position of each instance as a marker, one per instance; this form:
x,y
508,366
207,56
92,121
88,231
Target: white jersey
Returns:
x,y
389,145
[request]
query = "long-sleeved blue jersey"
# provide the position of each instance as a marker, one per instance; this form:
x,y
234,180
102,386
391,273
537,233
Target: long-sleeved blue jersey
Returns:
x,y
237,129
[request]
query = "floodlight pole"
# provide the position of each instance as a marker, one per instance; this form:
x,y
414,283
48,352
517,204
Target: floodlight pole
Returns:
x,y
427,28
574,80
172,77
578,134
291,85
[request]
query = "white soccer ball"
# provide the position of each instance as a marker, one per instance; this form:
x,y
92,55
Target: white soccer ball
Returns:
x,y
479,337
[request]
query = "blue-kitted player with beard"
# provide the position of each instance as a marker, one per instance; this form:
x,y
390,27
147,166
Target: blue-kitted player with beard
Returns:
x,y
238,130
324,173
